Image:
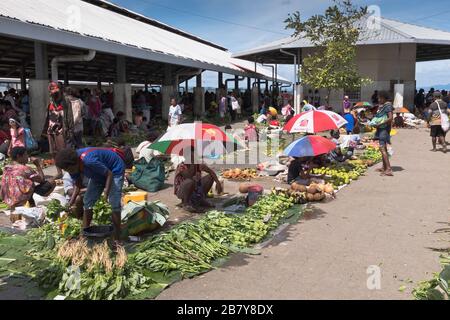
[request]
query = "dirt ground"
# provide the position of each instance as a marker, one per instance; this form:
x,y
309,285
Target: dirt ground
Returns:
x,y
396,224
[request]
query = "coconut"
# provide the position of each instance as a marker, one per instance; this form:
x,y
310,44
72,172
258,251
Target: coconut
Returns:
x,y
298,187
243,187
312,189
320,187
310,197
319,196
329,189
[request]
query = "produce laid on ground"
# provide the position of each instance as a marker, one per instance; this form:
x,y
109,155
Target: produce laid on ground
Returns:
x,y
371,156
102,212
301,194
438,287
240,174
54,209
341,173
79,270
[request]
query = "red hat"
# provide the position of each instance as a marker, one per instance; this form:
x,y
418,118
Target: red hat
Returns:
x,y
53,87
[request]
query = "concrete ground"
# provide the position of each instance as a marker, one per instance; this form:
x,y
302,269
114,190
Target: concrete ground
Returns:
x,y
394,225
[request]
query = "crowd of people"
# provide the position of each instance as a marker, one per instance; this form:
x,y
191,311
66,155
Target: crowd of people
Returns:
x,y
73,114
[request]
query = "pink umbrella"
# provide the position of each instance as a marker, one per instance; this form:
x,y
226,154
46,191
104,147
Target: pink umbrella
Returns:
x,y
315,121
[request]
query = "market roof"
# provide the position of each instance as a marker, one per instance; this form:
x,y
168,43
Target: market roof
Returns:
x,y
110,29
432,44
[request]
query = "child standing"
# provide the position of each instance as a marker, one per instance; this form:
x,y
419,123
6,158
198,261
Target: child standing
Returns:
x,y
251,133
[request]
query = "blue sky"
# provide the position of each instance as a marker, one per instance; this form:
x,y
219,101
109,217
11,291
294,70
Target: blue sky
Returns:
x,y
242,24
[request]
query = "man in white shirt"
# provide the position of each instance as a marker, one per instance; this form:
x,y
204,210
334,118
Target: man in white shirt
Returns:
x,y
175,113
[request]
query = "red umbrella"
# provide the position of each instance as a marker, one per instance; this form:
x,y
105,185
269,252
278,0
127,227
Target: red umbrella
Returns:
x,y
315,121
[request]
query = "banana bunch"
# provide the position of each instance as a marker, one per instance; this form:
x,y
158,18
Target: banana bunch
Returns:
x,y
296,196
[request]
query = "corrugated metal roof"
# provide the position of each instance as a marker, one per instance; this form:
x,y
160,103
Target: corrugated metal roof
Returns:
x,y
95,22
387,31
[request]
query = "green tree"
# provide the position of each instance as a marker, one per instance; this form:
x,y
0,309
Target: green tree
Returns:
x,y
334,34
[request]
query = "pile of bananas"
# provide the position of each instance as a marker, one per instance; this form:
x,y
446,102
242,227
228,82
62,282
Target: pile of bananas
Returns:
x,y
341,174
296,196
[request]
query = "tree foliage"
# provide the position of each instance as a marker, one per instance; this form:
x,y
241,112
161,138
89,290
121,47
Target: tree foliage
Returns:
x,y
334,34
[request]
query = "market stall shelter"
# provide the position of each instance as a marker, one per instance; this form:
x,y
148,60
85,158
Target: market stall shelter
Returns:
x,y
95,40
387,53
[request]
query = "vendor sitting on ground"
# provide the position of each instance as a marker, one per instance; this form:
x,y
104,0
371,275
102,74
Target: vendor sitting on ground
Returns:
x,y
299,170
105,169
399,122
189,185
18,181
336,154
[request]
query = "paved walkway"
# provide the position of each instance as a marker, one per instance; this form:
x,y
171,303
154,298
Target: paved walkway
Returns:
x,y
393,223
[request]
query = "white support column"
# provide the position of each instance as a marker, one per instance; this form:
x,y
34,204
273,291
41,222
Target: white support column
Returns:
x,y
38,90
255,99
298,97
122,90
167,93
41,60
122,99
199,101
39,100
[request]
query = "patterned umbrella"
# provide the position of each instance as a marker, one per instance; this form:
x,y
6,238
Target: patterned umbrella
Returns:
x,y
207,138
309,146
315,121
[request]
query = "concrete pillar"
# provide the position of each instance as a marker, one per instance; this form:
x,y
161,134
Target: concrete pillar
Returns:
x,y
255,99
99,83
298,97
66,75
198,81
199,101
167,93
167,90
38,90
220,80
39,100
41,60
23,78
122,99
121,69
122,90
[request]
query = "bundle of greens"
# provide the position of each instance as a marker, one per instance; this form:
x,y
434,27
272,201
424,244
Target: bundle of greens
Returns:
x,y
94,273
437,288
191,248
102,212
54,209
